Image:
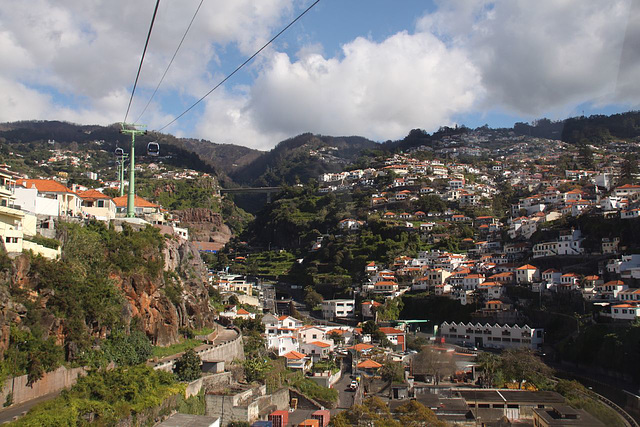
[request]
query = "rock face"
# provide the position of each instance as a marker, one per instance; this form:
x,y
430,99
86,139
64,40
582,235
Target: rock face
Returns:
x,y
175,300
204,225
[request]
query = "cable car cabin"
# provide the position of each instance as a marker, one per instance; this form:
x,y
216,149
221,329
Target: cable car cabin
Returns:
x,y
153,149
119,152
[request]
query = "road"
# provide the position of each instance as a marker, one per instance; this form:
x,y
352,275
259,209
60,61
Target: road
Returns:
x,y
347,397
8,414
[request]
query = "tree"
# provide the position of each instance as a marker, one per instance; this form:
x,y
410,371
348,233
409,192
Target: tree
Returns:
x,y
127,349
433,362
373,411
489,365
629,169
312,298
187,367
337,338
522,365
390,310
431,203
255,369
413,413
392,371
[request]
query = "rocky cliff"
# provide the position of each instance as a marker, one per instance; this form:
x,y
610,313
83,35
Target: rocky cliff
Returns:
x,y
204,225
176,297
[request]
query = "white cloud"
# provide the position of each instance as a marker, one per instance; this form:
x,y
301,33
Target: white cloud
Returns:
x,y
536,58
92,50
520,57
380,90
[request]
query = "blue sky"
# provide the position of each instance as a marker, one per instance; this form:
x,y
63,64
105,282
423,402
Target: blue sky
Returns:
x,y
352,67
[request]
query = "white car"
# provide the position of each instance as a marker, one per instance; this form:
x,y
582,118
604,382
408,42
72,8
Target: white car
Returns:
x,y
354,385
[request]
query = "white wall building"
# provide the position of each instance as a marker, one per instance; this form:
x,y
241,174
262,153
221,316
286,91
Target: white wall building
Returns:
x,y
492,336
336,308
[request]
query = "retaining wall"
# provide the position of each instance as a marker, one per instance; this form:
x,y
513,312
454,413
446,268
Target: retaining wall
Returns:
x,y
226,351
51,382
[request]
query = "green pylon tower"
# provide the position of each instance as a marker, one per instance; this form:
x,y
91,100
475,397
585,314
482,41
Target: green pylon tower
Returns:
x,y
132,130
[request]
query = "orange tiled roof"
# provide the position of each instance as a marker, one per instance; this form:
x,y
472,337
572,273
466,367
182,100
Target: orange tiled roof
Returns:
x,y
320,344
390,331
369,364
361,347
294,355
43,185
92,195
139,202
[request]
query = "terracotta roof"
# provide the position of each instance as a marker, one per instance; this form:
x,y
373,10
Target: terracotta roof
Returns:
x,y
138,201
361,347
43,185
385,283
391,331
294,355
92,195
369,364
528,267
242,311
320,344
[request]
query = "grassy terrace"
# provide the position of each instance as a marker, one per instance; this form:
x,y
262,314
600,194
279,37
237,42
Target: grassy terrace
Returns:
x,y
185,345
274,263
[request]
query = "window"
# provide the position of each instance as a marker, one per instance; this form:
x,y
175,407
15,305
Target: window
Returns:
x,y
314,336
101,203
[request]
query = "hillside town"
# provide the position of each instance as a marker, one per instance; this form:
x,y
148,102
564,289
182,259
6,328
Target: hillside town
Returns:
x,y
493,255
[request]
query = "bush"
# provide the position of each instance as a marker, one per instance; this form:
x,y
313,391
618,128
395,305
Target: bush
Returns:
x,y
105,396
127,350
187,367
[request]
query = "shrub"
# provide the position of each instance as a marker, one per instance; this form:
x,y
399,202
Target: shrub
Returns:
x,y
187,367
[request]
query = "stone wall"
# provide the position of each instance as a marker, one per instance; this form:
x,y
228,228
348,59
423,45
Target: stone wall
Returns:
x,y
51,382
247,405
226,351
326,380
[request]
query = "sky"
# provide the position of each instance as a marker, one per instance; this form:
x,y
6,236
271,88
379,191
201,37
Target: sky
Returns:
x,y
374,68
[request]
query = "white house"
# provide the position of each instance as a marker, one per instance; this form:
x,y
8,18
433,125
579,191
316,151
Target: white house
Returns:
x,y
46,197
625,311
96,204
492,336
527,274
551,276
283,344
338,308
316,349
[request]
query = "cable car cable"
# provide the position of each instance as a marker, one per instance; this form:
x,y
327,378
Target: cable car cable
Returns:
x,y
240,66
170,62
155,12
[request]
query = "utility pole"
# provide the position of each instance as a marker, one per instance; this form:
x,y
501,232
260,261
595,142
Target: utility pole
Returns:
x,y
133,130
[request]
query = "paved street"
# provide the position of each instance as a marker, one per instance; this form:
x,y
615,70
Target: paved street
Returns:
x,y
7,415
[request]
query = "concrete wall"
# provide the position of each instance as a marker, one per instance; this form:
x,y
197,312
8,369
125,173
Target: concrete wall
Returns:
x,y
209,382
41,250
248,405
226,351
327,380
51,382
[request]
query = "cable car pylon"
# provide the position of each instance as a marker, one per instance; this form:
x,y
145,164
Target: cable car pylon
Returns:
x,y
133,130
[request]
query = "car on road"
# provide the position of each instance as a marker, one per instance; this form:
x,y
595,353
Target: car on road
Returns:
x,y
353,385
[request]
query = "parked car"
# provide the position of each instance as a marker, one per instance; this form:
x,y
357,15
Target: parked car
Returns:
x,y
354,385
